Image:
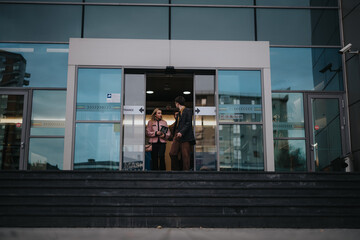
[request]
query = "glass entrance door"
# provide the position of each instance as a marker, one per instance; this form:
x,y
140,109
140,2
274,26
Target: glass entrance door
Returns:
x,y
326,132
12,130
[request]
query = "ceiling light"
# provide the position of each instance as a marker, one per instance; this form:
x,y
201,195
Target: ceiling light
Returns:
x,y
149,92
186,92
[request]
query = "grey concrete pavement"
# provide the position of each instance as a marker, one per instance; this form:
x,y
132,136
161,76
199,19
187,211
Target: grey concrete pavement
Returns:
x,y
176,234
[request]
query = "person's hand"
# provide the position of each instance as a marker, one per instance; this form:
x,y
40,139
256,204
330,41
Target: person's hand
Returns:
x,y
162,135
158,133
179,135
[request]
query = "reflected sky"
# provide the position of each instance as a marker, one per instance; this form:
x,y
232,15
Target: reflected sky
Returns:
x,y
46,150
244,83
300,69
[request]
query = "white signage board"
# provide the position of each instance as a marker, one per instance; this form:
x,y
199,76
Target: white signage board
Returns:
x,y
134,110
113,98
205,111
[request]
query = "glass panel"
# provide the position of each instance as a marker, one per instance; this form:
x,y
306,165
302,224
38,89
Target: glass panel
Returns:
x,y
23,60
97,146
98,94
46,154
241,148
39,22
126,22
326,133
205,147
205,123
304,3
298,26
306,69
240,96
212,23
48,113
130,1
288,115
290,155
134,122
214,2
11,118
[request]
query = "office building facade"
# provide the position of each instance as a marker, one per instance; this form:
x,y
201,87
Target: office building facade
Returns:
x,y
264,78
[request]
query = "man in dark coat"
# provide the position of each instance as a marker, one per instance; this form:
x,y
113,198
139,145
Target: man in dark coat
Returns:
x,y
183,136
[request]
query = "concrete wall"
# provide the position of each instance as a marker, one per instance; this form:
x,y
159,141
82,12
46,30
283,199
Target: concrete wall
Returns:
x,y
351,19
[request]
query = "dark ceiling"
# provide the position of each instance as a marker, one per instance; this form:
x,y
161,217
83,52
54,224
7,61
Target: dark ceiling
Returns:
x,y
166,88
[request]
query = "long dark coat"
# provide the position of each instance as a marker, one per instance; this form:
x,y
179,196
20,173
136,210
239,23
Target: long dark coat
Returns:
x,y
185,126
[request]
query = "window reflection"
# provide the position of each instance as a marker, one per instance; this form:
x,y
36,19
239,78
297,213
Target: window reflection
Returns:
x,y
126,22
39,22
240,96
98,95
312,69
290,155
212,24
305,3
298,26
97,146
53,59
46,154
48,113
288,115
241,148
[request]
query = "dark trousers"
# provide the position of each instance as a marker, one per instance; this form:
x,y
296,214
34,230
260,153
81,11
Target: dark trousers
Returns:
x,y
185,149
158,153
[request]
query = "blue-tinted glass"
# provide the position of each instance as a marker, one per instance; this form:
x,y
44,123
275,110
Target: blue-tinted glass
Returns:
x,y
205,149
215,2
130,1
241,148
39,22
97,146
240,96
290,155
212,23
126,22
98,94
298,26
46,154
306,69
47,64
52,0
48,113
297,3
288,115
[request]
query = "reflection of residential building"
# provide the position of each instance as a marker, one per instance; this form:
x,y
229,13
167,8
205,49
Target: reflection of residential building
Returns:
x,y
12,70
91,164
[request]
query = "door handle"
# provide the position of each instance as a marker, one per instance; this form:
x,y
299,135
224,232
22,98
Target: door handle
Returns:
x,y
313,146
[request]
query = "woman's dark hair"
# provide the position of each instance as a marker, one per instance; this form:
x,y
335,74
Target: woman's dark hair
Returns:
x,y
180,100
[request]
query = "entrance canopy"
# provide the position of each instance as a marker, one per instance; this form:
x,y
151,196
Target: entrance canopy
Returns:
x,y
160,54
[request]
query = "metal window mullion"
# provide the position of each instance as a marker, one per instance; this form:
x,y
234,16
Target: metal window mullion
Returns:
x,y
265,145
28,112
241,123
217,134
74,117
96,121
46,136
165,5
122,97
289,138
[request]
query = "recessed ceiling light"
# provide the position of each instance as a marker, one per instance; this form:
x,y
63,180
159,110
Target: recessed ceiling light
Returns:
x,y
186,92
149,92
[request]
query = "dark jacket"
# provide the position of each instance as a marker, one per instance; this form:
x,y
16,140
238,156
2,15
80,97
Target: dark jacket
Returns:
x,y
185,126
